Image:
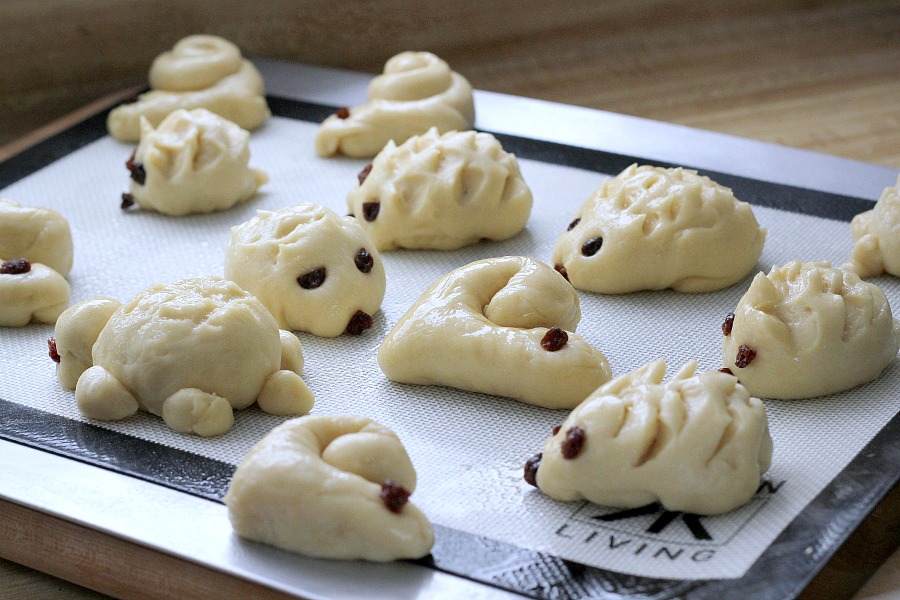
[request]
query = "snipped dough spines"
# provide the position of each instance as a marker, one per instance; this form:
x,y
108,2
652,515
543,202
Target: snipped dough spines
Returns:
x,y
651,228
416,92
877,235
330,487
809,329
194,162
200,71
502,326
441,192
697,443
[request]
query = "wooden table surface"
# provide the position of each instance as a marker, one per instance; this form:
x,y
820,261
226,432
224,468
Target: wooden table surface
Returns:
x,y
824,76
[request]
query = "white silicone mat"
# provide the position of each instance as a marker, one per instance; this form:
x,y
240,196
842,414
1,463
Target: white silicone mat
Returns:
x,y
468,449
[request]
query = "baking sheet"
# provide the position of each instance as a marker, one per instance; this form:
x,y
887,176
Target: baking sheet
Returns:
x,y
468,448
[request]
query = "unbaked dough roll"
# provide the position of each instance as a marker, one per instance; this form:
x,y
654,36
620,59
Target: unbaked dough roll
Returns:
x,y
330,487
201,71
30,292
877,235
498,326
416,92
40,235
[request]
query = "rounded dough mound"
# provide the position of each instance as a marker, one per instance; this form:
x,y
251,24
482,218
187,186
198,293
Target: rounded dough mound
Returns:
x,y
809,329
313,269
40,235
194,162
877,235
442,192
697,444
651,228
480,328
416,92
189,351
40,294
201,71
314,485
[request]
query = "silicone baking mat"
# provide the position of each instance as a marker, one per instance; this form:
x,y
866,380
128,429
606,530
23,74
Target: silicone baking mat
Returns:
x,y
834,457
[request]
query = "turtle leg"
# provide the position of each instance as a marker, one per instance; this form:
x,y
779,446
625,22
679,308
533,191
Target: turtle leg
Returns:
x,y
284,393
101,396
190,410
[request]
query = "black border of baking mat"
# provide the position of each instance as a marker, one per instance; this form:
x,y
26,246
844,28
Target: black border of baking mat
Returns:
x,y
783,570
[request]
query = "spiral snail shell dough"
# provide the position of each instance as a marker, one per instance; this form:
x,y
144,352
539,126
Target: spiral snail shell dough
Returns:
x,y
200,71
416,92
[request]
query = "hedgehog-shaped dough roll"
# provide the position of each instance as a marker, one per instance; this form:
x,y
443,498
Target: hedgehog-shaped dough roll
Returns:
x,y
877,235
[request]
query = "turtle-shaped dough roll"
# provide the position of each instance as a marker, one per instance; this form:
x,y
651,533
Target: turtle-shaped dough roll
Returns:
x,y
190,351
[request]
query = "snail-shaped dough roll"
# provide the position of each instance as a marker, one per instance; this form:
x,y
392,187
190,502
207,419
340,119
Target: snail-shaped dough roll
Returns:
x,y
441,192
330,487
314,270
877,235
30,292
190,351
809,329
40,235
696,443
194,162
497,326
200,71
651,228
416,92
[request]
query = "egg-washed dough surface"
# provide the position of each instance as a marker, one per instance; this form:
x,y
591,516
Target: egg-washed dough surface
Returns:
x,y
416,92
200,71
652,228
320,486
441,192
193,162
471,480
696,443
42,235
809,329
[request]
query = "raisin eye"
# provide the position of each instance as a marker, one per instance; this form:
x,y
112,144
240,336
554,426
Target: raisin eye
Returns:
x,y
728,324
554,339
531,468
313,279
343,113
359,322
592,246
370,210
394,495
127,201
574,442
138,174
53,352
15,267
573,224
364,261
364,173
745,356
562,271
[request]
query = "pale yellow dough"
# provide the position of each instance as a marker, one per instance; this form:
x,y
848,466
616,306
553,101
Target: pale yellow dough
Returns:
x,y
416,92
313,485
40,295
660,228
269,252
194,162
479,328
40,235
190,351
697,443
200,71
877,235
815,330
442,192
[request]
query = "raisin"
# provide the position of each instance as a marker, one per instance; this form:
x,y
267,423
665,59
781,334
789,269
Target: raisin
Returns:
x,y
54,353
313,279
562,271
370,210
15,267
364,261
359,323
138,174
394,495
343,113
556,429
726,370
127,201
728,324
364,173
745,356
129,164
531,468
592,246
573,224
554,339
574,442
